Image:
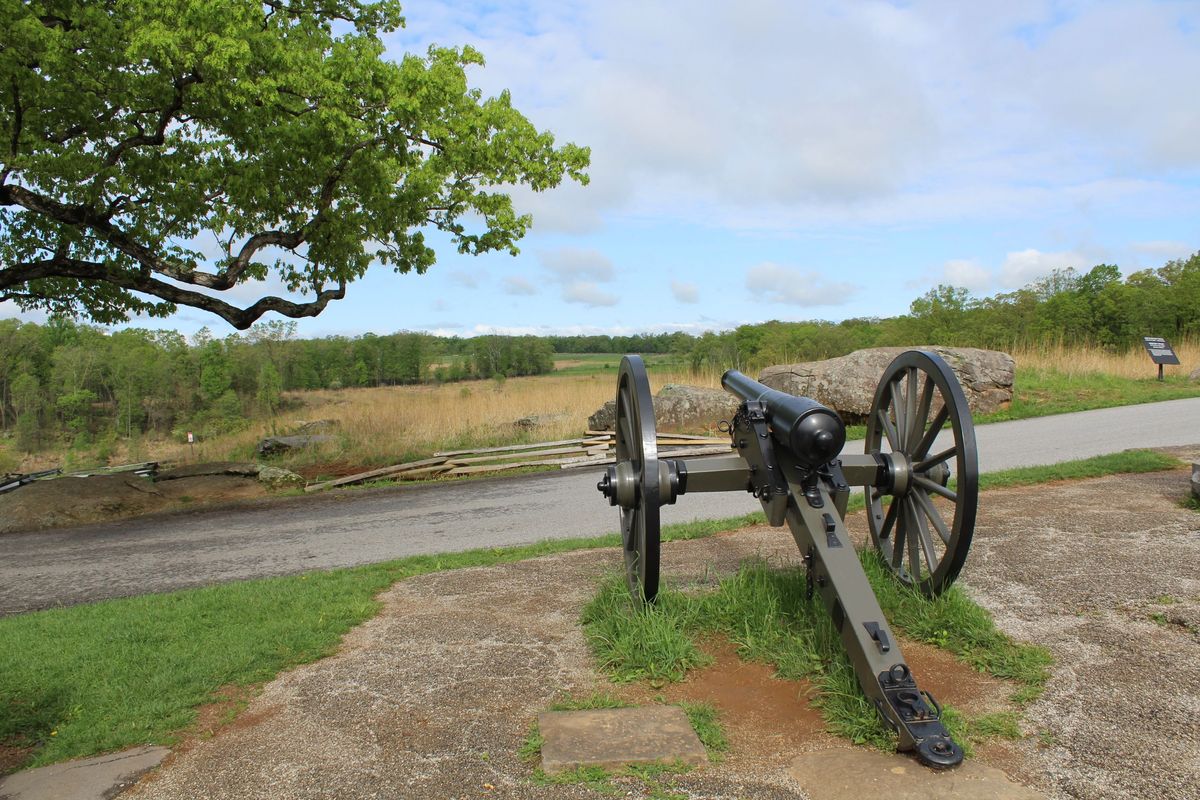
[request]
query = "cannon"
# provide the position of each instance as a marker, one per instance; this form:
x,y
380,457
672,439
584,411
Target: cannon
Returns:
x,y
920,475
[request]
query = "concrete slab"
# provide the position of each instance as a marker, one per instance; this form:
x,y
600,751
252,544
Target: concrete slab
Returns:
x,y
98,778
854,774
616,737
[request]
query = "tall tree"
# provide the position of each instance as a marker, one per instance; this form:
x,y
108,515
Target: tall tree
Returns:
x,y
157,153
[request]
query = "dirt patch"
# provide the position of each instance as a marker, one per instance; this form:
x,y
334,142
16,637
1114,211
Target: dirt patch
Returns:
x,y
80,501
13,758
763,716
326,470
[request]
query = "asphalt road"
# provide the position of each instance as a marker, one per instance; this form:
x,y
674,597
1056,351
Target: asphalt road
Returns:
x,y
63,567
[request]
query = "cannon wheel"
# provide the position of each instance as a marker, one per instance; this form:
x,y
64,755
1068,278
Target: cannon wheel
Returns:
x,y
924,532
637,445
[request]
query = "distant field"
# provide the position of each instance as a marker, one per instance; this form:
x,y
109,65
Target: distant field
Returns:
x,y
595,363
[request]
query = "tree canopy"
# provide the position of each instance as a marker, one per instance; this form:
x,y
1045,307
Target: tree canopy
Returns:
x,y
158,153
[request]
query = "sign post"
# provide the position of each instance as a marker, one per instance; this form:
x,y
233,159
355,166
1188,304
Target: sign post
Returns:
x,y
1160,352
192,443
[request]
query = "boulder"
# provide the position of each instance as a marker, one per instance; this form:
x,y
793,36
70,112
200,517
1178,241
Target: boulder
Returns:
x,y
315,426
676,407
681,407
1194,375
533,421
279,478
271,477
275,445
847,383
1196,479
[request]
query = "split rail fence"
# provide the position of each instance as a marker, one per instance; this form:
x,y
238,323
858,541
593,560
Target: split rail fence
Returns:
x,y
592,449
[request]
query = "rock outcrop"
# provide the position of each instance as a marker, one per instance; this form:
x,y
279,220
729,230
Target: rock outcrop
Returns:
x,y
276,445
677,407
847,383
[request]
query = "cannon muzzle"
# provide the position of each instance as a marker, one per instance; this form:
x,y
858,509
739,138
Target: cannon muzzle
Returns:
x,y
813,433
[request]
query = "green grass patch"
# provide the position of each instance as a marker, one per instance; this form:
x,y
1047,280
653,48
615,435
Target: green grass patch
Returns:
x,y
766,614
1042,392
609,363
1129,461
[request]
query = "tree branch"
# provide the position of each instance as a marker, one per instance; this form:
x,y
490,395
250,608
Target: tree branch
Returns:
x,y
160,129
93,271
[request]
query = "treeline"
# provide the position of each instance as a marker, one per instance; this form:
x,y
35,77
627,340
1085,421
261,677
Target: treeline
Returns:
x,y
1093,308
65,380
75,382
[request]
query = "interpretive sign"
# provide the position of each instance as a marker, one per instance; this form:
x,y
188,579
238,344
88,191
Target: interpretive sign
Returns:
x,y
1160,352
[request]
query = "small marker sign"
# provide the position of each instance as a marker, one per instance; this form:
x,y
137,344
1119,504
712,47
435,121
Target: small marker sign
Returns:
x,y
190,437
1160,352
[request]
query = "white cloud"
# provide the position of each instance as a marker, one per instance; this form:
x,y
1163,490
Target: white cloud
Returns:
x,y
783,114
1026,266
588,294
968,274
568,264
773,283
685,292
467,280
515,284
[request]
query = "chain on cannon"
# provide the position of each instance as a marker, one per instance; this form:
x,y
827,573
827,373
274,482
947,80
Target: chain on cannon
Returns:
x,y
920,475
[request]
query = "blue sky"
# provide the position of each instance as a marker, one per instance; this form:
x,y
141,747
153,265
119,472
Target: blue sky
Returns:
x,y
809,160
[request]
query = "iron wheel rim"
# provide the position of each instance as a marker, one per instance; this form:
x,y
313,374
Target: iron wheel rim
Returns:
x,y
913,527
637,444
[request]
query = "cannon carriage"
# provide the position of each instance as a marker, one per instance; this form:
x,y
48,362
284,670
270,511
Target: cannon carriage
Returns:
x,y
919,471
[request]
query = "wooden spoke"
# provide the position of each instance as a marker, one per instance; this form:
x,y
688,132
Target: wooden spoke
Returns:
x,y
938,459
910,409
927,547
913,533
889,520
934,516
922,415
926,442
936,488
898,414
898,539
888,430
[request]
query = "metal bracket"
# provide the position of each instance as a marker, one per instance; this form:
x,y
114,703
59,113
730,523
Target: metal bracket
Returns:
x,y
752,437
921,717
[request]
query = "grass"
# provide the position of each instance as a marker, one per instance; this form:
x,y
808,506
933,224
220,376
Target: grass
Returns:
x,y
92,678
1128,461
766,614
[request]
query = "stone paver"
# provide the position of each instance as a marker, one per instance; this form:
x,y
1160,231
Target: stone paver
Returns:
x,y
616,737
844,774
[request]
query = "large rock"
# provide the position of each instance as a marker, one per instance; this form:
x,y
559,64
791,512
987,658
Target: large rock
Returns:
x,y
1194,375
533,421
847,384
676,407
1196,479
275,445
683,407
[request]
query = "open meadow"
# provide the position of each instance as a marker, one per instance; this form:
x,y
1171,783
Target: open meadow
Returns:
x,y
390,424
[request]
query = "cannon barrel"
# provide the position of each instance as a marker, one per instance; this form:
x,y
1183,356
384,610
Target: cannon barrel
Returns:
x,y
813,433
